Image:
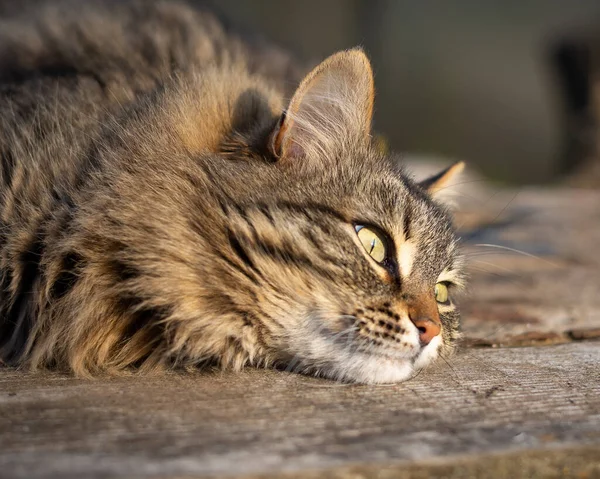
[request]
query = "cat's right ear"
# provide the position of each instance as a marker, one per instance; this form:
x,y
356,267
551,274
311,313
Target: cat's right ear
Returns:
x,y
334,102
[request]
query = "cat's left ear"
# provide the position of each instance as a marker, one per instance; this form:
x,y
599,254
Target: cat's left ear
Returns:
x,y
434,184
333,103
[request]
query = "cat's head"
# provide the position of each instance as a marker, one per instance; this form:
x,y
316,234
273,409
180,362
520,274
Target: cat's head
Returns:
x,y
295,241
353,267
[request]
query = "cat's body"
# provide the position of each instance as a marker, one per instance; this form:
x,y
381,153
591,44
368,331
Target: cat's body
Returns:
x,y
158,210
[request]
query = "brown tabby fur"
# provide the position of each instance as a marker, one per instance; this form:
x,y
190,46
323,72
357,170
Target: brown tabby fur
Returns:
x,y
158,209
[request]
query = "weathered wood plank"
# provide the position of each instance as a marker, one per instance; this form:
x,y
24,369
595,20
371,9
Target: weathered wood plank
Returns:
x,y
548,292
521,401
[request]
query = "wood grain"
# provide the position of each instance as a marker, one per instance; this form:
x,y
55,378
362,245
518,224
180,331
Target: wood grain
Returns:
x,y
546,289
266,422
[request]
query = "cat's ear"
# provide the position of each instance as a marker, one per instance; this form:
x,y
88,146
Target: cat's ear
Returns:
x,y
333,102
434,184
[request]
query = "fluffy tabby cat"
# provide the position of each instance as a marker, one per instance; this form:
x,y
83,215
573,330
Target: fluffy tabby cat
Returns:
x,y
162,205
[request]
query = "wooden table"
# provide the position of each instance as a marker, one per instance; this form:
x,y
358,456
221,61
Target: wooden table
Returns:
x,y
522,398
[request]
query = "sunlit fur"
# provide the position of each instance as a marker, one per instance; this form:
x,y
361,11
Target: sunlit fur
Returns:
x,y
159,209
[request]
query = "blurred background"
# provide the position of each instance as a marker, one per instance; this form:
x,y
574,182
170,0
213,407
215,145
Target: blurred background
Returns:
x,y
505,85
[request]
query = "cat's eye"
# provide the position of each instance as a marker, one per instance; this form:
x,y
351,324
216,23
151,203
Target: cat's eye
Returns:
x,y
441,293
372,242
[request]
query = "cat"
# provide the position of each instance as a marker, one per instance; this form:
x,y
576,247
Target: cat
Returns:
x,y
163,206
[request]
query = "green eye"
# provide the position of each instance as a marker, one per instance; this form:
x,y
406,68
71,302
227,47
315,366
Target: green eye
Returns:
x,y
441,293
372,242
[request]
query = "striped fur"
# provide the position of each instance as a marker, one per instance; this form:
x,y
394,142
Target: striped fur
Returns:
x,y
163,206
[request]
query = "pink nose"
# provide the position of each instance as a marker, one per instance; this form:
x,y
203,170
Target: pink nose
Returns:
x,y
428,329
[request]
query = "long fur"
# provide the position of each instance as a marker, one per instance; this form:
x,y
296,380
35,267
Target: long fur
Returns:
x,y
148,221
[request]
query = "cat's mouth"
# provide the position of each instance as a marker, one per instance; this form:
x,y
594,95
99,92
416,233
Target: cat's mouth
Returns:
x,y
411,351
351,357
383,365
419,355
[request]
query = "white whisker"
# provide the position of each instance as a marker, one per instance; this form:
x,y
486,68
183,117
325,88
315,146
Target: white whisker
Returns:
x,y
485,245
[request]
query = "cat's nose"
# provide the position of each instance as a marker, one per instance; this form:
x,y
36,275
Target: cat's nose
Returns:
x,y
428,329
424,315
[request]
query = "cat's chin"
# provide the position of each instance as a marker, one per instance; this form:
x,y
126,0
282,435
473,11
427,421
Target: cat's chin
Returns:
x,y
368,368
383,369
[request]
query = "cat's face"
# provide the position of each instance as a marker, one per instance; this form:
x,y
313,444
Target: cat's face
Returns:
x,y
356,265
